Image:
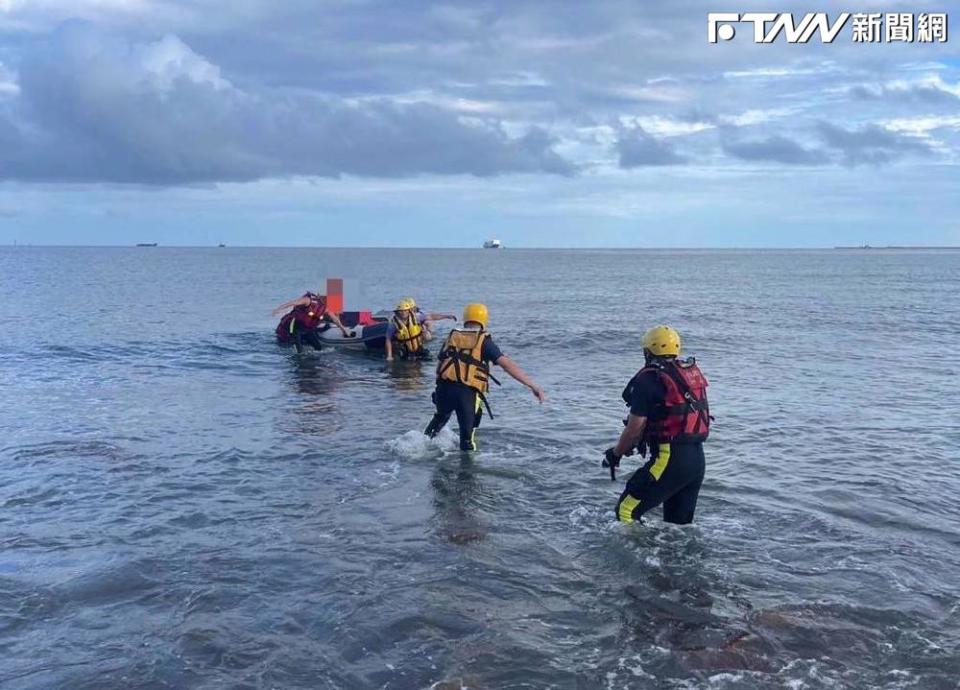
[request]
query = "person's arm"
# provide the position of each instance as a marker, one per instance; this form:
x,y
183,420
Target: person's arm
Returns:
x,y
437,316
336,320
509,366
388,346
299,302
630,435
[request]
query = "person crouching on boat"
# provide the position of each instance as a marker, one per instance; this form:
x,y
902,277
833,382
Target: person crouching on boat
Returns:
x,y
299,325
406,334
463,376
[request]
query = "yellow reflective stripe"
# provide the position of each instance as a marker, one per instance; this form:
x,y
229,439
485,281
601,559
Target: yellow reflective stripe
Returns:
x,y
627,505
473,434
663,457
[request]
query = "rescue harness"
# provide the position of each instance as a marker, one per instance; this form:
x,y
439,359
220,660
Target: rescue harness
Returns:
x,y
684,415
461,361
409,334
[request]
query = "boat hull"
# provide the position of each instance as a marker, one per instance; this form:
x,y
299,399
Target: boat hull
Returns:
x,y
366,337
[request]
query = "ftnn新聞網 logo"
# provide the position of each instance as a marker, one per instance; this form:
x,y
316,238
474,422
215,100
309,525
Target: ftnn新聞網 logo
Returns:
x,y
870,27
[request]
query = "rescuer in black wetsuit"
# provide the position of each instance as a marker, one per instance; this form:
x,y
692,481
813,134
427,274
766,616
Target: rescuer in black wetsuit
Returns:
x,y
670,419
463,376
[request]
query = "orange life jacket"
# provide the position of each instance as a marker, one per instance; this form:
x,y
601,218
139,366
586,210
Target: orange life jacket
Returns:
x,y
461,361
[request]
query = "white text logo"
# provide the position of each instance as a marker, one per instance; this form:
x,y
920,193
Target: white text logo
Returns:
x,y
875,27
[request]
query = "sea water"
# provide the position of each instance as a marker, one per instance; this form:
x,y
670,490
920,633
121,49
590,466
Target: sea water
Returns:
x,y
187,505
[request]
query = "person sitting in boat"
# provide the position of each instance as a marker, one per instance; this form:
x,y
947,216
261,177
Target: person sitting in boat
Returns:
x,y
299,325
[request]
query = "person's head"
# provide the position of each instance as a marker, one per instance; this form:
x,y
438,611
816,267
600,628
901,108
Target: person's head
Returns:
x,y
412,302
475,314
661,342
404,307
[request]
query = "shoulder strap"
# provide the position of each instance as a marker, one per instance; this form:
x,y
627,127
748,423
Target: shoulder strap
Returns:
x,y
670,370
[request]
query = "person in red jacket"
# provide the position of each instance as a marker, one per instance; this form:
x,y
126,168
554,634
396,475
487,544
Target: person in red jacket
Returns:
x,y
299,325
670,418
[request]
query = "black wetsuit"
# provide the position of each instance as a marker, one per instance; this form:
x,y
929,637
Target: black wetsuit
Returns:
x,y
308,336
455,398
674,473
421,355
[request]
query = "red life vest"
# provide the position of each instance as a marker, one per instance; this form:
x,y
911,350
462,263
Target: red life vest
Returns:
x,y
311,315
305,315
684,416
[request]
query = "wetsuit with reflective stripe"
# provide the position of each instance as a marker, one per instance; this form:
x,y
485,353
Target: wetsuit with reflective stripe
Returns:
x,y
455,398
292,331
674,474
673,478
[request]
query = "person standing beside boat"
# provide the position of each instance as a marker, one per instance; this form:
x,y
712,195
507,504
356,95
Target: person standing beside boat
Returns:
x,y
463,376
299,325
409,329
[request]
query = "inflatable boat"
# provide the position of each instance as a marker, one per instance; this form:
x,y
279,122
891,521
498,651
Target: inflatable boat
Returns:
x,y
367,331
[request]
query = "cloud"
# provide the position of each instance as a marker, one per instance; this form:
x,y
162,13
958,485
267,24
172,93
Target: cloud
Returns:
x,y
754,116
8,82
871,144
637,148
777,149
659,126
775,72
169,92
922,126
930,89
96,108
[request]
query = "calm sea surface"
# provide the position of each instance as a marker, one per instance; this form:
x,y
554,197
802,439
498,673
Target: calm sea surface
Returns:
x,y
183,504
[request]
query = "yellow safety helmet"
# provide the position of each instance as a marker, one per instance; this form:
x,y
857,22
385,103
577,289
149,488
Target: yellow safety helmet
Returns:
x,y
412,301
662,341
476,312
405,304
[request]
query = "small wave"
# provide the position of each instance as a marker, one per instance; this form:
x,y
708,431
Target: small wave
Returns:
x,y
592,518
415,445
66,449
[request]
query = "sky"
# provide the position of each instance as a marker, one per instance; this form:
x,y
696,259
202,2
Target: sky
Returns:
x,y
557,123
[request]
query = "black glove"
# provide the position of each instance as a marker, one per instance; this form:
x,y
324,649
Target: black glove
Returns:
x,y
611,460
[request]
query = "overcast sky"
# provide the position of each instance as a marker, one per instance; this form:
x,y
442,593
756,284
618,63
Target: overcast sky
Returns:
x,y
550,123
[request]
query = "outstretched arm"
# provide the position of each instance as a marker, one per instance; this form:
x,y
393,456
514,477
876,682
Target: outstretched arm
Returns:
x,y
438,316
630,435
509,366
336,320
299,302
